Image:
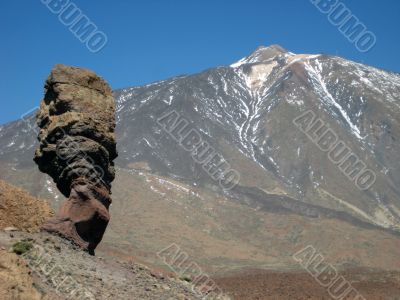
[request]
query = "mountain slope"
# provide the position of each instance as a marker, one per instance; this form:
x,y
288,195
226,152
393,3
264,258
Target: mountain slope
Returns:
x,y
246,112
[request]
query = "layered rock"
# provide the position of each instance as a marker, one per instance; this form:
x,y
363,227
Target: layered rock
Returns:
x,y
77,148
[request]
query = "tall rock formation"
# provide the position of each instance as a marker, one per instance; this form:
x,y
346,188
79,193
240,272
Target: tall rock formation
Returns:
x,y
77,149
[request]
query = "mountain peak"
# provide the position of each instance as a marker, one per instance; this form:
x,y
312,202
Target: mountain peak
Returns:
x,y
272,48
261,54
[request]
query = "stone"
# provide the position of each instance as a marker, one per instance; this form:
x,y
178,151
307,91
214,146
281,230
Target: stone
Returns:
x,y
77,147
9,229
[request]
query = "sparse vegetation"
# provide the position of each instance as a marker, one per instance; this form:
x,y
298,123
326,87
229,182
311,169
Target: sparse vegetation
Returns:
x,y
186,278
22,247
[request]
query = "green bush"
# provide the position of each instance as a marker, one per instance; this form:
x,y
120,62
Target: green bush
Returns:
x,y
21,247
186,278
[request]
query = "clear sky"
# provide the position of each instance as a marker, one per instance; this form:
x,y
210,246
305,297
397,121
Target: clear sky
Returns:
x,y
150,40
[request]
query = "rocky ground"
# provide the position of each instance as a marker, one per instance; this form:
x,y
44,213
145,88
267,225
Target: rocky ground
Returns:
x,y
39,266
55,269
16,281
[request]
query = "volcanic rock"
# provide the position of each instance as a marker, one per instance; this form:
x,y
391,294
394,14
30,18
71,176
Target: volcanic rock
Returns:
x,y
77,149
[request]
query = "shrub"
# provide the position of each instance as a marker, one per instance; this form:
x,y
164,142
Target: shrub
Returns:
x,y
21,247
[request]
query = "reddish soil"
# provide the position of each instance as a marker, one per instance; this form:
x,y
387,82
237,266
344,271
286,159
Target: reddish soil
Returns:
x,y
20,210
252,285
15,279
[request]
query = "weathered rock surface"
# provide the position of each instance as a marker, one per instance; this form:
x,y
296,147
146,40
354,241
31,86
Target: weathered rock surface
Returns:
x,y
77,149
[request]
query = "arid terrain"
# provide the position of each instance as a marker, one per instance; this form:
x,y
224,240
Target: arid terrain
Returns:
x,y
290,195
39,266
118,275
20,210
296,285
59,270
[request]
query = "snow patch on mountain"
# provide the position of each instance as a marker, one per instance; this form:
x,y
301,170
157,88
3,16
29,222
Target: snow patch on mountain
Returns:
x,y
326,96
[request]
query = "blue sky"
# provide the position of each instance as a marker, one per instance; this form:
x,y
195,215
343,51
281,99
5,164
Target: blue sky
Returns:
x,y
150,40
